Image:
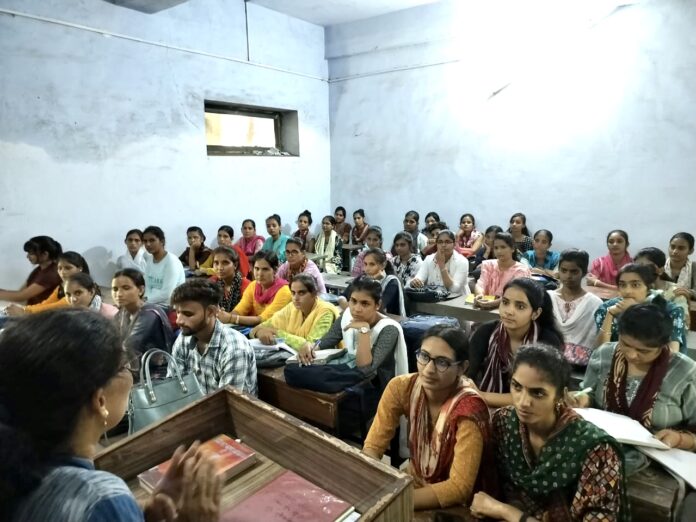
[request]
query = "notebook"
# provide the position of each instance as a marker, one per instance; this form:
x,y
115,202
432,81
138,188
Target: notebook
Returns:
x,y
257,345
321,356
231,458
289,497
623,429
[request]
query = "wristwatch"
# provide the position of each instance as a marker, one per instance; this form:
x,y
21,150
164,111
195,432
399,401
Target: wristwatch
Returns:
x,y
363,329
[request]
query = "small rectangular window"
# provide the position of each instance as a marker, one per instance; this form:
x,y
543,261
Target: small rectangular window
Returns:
x,y
241,130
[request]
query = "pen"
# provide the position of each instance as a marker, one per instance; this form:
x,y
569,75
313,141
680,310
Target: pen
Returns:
x,y
586,391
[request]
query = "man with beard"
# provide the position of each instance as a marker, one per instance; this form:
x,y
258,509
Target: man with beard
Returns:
x,y
218,355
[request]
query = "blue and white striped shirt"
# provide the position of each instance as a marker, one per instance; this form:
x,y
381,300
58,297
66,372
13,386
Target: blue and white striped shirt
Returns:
x,y
74,491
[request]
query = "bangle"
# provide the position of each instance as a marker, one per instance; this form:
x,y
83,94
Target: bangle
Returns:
x,y
236,319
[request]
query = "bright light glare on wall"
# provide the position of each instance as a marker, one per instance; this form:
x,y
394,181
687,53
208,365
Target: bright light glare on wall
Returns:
x,y
560,70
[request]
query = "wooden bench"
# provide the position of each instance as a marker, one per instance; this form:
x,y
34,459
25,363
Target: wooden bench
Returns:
x,y
653,494
315,407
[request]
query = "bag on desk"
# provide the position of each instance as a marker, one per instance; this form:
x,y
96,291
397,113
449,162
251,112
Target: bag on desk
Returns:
x,y
427,294
151,400
328,378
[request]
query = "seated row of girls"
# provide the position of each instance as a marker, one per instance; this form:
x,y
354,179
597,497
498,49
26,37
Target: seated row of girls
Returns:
x,y
508,468
376,265
635,282
496,273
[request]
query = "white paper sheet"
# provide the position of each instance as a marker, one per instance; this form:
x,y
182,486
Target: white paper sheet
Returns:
x,y
622,428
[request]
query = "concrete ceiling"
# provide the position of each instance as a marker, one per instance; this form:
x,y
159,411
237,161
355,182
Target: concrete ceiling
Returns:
x,y
331,12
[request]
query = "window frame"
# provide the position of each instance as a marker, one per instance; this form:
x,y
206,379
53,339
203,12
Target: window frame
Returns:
x,y
277,115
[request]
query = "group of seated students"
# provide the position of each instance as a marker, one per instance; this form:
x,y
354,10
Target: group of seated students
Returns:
x,y
533,458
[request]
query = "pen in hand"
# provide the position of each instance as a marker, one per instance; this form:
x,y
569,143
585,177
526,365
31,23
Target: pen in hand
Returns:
x,y
585,391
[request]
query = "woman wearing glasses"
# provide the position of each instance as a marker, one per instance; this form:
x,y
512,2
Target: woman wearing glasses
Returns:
x,y
449,423
446,267
297,263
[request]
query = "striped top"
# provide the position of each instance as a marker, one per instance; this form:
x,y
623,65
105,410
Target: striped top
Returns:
x,y
74,491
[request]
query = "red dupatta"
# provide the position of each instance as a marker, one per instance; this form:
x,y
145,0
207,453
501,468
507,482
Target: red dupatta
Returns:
x,y
265,297
432,452
615,388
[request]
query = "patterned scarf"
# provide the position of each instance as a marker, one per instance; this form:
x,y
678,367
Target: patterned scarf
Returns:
x,y
615,387
95,304
500,357
230,298
302,236
432,452
684,279
326,247
298,270
551,480
265,297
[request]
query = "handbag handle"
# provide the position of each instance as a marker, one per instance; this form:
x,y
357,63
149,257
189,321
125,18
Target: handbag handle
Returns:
x,y
145,371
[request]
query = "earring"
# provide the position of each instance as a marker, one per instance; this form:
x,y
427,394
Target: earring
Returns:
x,y
559,405
106,417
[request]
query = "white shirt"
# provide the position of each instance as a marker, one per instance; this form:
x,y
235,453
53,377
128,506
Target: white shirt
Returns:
x,y
457,266
138,262
162,278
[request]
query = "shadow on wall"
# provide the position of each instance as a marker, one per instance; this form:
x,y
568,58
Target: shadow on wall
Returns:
x,y
100,264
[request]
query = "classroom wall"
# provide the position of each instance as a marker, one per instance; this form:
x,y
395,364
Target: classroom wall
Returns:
x,y
102,127
579,117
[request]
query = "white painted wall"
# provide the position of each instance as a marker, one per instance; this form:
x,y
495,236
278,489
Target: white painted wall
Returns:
x,y
595,131
102,133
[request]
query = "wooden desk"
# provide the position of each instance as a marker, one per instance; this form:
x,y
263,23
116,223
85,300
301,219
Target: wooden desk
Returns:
x,y
337,282
318,408
458,308
378,492
603,293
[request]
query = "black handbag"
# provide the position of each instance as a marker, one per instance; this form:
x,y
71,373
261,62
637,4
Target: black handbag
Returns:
x,y
427,294
325,378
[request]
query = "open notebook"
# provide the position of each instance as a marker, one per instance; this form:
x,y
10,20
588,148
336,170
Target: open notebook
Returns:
x,y
622,428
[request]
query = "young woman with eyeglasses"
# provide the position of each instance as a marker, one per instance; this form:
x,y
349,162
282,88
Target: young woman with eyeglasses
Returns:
x,y
449,423
446,267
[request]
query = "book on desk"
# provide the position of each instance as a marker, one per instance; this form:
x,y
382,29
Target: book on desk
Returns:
x,y
289,497
231,458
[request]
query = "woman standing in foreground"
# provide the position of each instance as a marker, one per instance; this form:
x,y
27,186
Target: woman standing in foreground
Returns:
x,y
46,451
